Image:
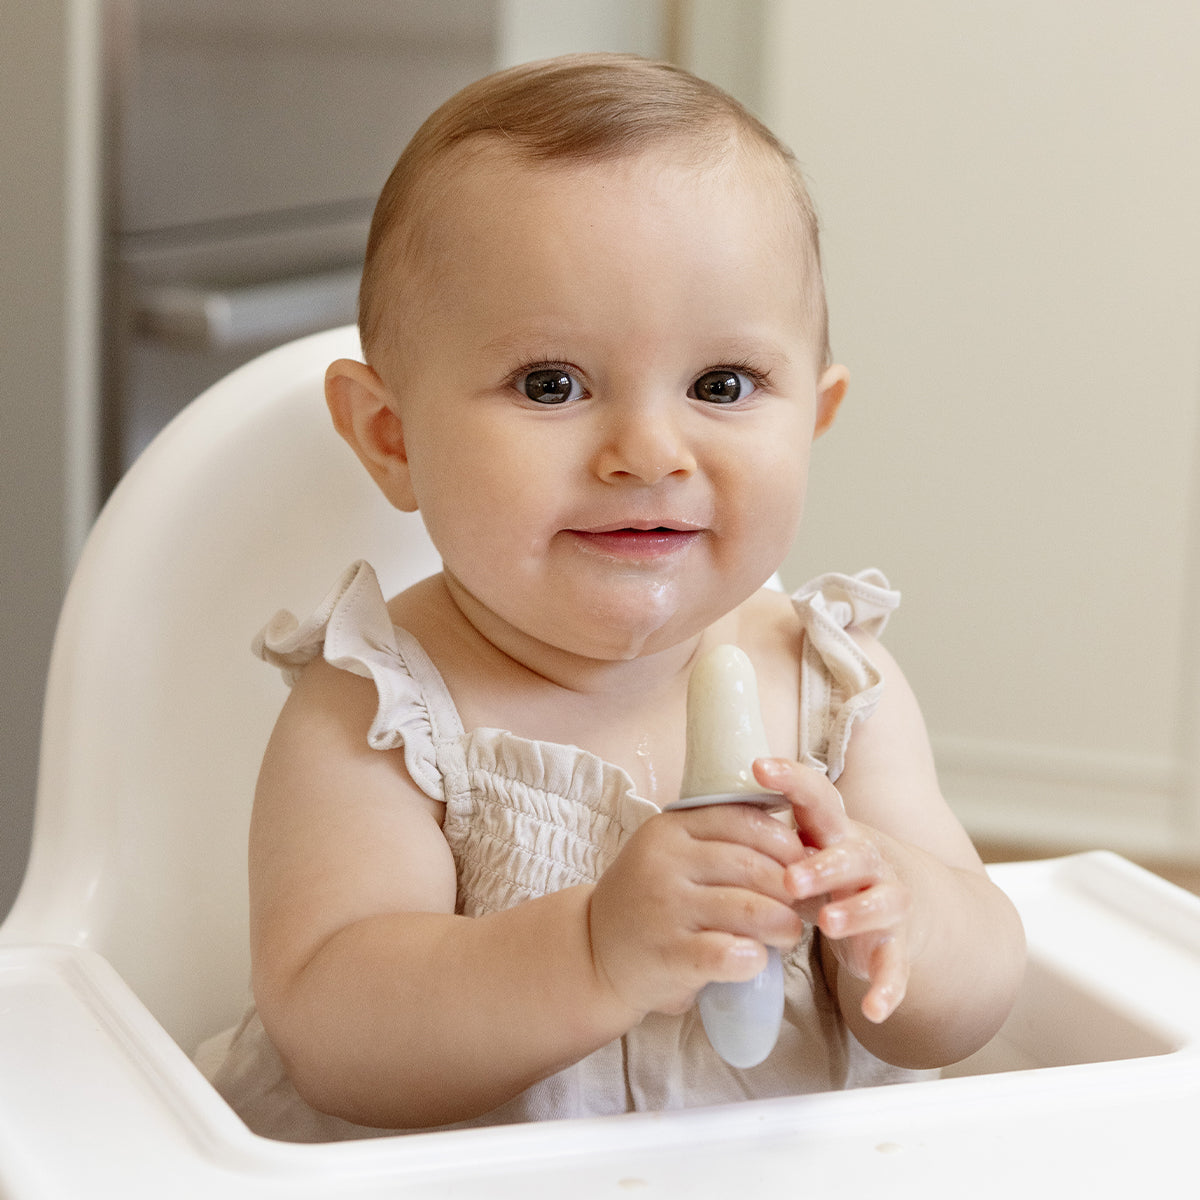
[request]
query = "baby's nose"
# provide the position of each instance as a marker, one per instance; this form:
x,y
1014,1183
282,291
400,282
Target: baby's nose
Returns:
x,y
644,443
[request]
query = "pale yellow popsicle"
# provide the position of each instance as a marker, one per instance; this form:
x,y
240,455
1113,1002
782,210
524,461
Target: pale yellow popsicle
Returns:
x,y
725,731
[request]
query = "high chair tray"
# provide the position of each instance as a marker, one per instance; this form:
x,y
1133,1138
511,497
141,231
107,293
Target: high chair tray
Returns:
x,y
1094,1084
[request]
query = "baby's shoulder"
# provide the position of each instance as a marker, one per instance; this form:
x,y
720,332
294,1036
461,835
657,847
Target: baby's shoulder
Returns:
x,y
325,696
769,624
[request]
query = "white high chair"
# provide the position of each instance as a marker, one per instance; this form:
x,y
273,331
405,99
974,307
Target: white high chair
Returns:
x,y
127,944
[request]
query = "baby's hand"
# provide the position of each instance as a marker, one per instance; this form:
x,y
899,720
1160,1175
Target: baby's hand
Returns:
x,y
848,885
694,896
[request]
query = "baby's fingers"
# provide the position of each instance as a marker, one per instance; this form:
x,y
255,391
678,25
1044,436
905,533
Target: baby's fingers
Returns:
x,y
817,805
876,909
867,933
848,866
888,975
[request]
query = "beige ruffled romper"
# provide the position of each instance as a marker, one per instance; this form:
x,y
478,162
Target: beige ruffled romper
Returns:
x,y
524,818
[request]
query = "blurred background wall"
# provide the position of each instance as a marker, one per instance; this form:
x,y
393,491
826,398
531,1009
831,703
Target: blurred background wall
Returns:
x,y
1008,193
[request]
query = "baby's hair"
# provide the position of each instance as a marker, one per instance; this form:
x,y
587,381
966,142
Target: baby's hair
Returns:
x,y
580,108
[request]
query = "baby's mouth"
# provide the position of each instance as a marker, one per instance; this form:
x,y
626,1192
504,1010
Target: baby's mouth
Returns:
x,y
637,541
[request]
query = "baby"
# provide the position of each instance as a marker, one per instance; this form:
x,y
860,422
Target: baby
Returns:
x,y
594,323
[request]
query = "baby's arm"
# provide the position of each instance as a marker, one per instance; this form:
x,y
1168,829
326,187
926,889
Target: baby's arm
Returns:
x,y
389,1010
923,952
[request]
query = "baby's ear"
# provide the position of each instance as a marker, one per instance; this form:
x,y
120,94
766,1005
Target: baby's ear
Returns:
x,y
365,413
831,391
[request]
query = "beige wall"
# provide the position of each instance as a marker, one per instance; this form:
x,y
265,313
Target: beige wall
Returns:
x,y
1010,195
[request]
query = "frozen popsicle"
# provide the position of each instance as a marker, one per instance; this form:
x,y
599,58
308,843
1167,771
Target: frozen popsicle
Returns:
x,y
724,736
724,733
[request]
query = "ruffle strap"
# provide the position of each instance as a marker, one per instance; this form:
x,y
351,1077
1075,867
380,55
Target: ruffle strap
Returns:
x,y
353,630
839,684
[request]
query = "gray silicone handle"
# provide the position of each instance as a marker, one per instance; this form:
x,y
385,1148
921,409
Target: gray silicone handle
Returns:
x,y
742,1019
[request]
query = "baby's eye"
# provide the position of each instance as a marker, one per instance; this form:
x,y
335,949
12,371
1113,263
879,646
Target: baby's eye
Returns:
x,y
550,385
722,386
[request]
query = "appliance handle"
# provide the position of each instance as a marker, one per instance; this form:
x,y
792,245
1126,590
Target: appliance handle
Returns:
x,y
211,319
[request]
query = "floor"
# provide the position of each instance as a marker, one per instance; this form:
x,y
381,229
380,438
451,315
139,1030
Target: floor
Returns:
x,y
1185,875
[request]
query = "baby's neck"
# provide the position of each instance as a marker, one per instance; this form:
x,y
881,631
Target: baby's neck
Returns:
x,y
637,669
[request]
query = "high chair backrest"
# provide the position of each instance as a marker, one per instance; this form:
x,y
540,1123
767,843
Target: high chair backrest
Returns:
x,y
156,713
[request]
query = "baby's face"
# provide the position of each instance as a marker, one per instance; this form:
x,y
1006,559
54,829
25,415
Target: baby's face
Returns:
x,y
608,388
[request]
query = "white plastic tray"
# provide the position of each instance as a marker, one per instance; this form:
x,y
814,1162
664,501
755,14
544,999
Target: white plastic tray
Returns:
x,y
1093,1085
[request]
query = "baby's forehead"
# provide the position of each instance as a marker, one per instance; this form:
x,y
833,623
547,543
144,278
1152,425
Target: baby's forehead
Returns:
x,y
483,166
467,201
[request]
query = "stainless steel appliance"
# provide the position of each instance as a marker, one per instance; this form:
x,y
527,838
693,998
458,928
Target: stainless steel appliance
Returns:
x,y
248,141
249,138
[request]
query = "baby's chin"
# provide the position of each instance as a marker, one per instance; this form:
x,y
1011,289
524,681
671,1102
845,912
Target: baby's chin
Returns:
x,y
635,622
613,628
599,610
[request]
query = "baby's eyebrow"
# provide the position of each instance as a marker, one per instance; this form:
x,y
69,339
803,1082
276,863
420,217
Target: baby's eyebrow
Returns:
x,y
524,343
765,351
